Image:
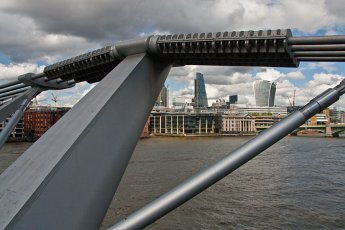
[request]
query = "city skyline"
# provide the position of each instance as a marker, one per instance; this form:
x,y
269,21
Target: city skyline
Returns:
x,y
37,33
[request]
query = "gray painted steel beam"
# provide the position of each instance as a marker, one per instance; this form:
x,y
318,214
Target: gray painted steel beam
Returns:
x,y
11,106
19,86
317,40
66,180
37,76
319,54
11,83
337,47
5,99
321,59
17,115
13,92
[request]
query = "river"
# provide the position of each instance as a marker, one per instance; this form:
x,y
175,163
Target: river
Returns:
x,y
299,183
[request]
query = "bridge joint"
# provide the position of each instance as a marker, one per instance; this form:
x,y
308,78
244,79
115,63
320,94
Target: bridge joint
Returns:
x,y
44,84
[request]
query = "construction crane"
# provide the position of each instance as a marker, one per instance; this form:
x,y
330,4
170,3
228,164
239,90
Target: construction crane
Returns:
x,y
54,98
293,102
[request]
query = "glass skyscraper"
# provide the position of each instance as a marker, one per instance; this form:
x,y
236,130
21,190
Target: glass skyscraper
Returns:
x,y
264,92
163,97
233,99
200,97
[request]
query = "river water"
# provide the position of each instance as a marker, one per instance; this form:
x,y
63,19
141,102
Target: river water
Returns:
x,y
299,183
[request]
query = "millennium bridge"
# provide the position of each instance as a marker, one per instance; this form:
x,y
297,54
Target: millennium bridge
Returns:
x,y
67,179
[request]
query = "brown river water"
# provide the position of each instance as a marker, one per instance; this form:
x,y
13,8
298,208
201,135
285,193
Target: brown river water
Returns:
x,y
298,183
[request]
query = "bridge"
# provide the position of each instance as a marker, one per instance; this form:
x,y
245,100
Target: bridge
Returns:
x,y
67,179
336,129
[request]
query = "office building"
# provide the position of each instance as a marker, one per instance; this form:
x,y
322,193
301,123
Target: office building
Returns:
x,y
178,102
335,116
220,103
163,97
200,97
233,99
263,111
243,125
264,92
291,109
183,124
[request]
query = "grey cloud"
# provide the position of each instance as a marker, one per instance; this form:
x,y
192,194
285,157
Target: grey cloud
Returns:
x,y
102,22
34,30
236,78
337,8
223,70
121,19
21,41
212,74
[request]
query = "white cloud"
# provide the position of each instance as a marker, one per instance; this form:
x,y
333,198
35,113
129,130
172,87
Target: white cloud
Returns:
x,y
324,80
12,71
296,75
327,66
67,97
319,83
270,74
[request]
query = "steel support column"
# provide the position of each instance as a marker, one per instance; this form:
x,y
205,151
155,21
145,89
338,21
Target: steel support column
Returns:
x,y
67,179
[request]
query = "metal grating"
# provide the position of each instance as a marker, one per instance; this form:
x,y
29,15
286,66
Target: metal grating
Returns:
x,y
236,48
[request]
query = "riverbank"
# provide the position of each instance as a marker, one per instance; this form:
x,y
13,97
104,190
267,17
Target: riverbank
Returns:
x,y
200,135
238,135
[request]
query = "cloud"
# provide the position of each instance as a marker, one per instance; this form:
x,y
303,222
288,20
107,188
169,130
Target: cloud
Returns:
x,y
296,75
12,71
319,83
66,97
242,85
326,66
324,80
275,75
63,28
36,31
270,74
212,74
22,41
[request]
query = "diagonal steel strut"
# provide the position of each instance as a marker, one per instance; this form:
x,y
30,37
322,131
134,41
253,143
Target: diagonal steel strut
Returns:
x,y
66,180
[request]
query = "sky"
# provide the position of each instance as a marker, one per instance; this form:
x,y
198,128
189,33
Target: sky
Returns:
x,y
36,33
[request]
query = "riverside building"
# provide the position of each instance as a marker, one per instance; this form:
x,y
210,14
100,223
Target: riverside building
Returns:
x,y
183,123
238,125
38,119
